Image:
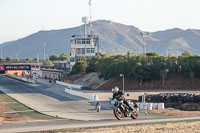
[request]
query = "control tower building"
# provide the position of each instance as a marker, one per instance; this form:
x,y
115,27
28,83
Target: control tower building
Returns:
x,y
85,45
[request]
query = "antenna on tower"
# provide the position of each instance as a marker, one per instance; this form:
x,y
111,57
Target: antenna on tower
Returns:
x,y
85,21
90,4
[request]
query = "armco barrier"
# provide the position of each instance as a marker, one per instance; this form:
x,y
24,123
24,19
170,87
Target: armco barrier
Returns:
x,y
68,85
81,94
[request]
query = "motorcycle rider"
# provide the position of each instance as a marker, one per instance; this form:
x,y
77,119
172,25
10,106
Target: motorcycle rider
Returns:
x,y
119,95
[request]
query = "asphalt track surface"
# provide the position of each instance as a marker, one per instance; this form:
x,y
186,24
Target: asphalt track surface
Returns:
x,y
51,100
44,126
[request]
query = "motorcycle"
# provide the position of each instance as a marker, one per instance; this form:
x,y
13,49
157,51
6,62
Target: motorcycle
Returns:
x,y
121,110
98,107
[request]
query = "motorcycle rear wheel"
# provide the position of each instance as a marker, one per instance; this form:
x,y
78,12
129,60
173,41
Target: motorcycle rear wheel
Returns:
x,y
118,114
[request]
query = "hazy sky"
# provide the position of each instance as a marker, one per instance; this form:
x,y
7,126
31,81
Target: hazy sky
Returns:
x,y
19,18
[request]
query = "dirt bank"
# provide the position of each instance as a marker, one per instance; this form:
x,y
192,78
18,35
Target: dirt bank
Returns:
x,y
172,82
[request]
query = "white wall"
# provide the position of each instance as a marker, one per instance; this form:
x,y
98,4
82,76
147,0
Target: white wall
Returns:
x,y
150,106
81,94
68,85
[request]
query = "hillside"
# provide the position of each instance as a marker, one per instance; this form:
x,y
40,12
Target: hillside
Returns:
x,y
115,38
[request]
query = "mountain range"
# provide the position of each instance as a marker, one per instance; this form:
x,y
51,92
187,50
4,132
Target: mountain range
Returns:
x,y
115,38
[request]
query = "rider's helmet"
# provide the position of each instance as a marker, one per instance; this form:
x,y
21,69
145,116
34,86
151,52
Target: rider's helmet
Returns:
x,y
115,89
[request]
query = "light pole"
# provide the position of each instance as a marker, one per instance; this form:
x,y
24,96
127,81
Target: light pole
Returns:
x,y
122,75
44,51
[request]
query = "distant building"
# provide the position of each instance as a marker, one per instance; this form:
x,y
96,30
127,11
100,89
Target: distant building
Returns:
x,y
53,74
62,65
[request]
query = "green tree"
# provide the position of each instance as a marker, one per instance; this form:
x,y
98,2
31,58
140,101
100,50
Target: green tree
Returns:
x,y
83,62
47,62
36,59
187,53
128,54
9,58
77,68
152,54
94,64
28,59
17,59
54,57
64,57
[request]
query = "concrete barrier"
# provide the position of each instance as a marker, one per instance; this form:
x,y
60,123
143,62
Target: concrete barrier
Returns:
x,y
145,106
155,105
141,106
68,85
21,78
81,94
150,106
161,106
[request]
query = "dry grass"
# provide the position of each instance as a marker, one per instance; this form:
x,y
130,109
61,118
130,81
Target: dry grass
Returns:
x,y
173,127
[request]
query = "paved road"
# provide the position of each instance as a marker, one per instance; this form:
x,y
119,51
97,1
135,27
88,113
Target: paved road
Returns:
x,y
51,100
43,99
27,127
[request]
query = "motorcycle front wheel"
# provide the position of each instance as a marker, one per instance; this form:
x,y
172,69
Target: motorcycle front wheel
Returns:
x,y
134,115
118,114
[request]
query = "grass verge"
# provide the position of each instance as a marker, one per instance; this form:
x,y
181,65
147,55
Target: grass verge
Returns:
x,y
148,113
20,107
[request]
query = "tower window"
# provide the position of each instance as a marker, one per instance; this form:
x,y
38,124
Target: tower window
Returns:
x,y
83,50
92,50
88,50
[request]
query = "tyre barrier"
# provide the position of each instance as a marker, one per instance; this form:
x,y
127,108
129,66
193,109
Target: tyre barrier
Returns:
x,y
171,97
